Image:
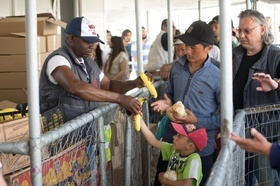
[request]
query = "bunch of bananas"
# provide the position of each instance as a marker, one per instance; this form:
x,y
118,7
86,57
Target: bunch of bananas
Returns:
x,y
51,121
9,114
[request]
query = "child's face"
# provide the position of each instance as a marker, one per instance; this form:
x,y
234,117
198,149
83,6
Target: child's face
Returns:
x,y
181,143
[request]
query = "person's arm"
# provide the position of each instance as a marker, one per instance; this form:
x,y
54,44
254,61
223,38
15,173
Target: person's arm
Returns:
x,y
165,70
123,86
65,77
150,137
166,182
258,144
124,68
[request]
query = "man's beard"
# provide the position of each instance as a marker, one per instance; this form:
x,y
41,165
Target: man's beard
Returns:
x,y
144,37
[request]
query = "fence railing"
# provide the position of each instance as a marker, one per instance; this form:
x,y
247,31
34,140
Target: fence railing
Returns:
x,y
228,169
76,152
233,165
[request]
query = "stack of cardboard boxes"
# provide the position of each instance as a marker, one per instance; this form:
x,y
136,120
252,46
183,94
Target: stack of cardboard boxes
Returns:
x,y
13,77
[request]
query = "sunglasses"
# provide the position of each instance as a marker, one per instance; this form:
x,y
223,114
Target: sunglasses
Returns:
x,y
246,31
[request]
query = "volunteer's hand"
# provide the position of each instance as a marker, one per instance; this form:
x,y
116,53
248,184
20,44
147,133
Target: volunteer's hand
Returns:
x,y
130,104
139,83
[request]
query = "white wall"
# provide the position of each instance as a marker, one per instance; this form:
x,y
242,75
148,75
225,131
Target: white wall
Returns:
x,y
183,19
151,19
17,7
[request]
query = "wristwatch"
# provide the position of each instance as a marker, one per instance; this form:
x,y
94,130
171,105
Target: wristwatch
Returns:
x,y
277,81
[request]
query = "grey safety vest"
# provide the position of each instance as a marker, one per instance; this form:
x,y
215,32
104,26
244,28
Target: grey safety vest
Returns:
x,y
72,105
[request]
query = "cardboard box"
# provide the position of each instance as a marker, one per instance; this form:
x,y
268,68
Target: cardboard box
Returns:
x,y
14,131
14,80
17,45
14,95
46,25
53,42
118,156
67,168
7,104
17,63
116,177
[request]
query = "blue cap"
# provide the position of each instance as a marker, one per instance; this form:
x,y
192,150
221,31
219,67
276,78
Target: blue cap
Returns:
x,y
83,28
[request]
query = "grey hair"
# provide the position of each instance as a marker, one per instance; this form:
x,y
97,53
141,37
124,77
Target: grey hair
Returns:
x,y
267,38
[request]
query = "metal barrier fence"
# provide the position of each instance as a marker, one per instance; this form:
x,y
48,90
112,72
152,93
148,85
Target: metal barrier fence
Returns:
x,y
228,169
235,168
77,153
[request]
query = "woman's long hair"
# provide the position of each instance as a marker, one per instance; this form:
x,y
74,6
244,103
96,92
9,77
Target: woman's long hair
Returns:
x,y
117,47
98,56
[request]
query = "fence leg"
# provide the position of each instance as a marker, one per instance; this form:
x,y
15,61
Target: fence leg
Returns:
x,y
127,152
102,152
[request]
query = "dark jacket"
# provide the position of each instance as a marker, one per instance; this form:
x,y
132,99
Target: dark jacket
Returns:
x,y
72,105
267,64
274,156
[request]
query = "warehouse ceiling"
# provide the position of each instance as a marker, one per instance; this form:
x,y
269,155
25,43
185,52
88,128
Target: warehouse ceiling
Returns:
x,y
121,8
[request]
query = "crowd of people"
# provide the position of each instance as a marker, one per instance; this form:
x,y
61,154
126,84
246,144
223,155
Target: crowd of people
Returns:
x,y
81,75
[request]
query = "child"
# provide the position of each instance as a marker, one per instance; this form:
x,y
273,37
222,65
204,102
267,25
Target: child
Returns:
x,y
181,154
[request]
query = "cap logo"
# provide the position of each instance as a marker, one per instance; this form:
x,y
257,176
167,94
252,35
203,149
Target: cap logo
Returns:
x,y
190,127
91,26
190,29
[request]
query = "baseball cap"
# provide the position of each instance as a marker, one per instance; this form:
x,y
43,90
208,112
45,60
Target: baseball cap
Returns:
x,y
195,132
198,32
83,28
216,20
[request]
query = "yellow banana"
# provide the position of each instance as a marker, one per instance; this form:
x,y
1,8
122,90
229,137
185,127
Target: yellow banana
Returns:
x,y
148,84
141,100
26,113
137,118
6,117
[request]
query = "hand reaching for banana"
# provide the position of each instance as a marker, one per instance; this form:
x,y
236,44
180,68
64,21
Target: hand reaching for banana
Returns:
x,y
148,84
161,105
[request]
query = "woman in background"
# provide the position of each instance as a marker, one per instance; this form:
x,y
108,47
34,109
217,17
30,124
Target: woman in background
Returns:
x,y
98,56
116,66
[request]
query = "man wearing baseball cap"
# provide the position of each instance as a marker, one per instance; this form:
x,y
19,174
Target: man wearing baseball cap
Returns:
x,y
195,81
214,23
181,155
70,75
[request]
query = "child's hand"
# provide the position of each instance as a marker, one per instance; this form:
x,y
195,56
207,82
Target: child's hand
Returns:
x,y
170,175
